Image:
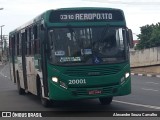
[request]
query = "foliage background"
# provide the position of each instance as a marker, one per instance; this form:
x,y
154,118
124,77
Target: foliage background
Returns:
x,y
149,37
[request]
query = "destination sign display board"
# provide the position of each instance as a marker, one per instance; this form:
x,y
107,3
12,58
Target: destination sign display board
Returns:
x,y
86,16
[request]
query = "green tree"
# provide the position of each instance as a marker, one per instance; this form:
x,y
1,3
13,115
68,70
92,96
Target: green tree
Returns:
x,y
155,37
149,37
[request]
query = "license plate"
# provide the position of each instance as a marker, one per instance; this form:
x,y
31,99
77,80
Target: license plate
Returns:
x,y
94,92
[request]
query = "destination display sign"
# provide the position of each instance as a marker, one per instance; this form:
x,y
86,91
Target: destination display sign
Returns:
x,y
86,16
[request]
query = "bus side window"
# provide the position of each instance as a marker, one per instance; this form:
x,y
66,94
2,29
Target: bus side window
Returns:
x,y
32,42
29,36
28,41
19,45
36,40
12,45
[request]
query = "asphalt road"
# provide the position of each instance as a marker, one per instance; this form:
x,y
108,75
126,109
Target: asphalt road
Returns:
x,y
145,97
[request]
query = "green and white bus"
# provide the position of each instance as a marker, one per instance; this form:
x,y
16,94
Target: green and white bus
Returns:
x,y
72,53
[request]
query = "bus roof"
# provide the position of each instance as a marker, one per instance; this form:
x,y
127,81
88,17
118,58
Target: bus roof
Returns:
x,y
44,15
88,8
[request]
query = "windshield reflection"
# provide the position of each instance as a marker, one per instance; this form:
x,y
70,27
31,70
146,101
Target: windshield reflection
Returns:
x,y
86,46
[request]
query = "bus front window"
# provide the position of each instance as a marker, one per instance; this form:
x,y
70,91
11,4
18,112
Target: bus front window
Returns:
x,y
87,45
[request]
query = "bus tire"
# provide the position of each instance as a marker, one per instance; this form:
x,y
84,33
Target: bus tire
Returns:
x,y
45,102
105,100
21,91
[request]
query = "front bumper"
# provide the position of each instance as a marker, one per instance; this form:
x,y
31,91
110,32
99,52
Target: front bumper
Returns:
x,y
59,93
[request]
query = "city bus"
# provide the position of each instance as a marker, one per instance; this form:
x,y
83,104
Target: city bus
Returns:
x,y
72,54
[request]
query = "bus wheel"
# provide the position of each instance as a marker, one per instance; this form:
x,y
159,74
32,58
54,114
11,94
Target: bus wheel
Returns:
x,y
105,100
45,102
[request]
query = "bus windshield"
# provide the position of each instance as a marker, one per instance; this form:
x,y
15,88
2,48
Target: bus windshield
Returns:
x,y
87,45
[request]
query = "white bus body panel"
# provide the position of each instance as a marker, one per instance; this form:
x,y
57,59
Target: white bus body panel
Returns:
x,y
31,75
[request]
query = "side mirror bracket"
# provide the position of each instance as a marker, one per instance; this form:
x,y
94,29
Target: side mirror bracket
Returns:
x,y
42,25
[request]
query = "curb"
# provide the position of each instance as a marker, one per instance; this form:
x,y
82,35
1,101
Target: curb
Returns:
x,y
148,75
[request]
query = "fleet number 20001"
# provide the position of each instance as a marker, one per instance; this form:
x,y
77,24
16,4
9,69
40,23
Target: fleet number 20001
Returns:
x,y
77,81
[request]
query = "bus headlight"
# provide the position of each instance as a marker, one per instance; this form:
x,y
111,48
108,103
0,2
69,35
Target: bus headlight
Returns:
x,y
127,75
55,79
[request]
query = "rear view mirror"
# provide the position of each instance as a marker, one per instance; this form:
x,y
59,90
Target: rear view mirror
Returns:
x,y
130,38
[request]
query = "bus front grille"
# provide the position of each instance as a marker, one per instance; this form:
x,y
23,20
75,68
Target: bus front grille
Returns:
x,y
96,71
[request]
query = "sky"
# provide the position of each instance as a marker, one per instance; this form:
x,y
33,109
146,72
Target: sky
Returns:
x,y
137,14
